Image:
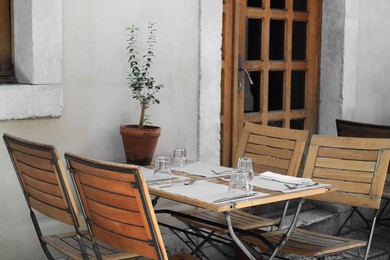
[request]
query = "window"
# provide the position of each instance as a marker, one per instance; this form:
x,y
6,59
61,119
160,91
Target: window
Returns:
x,y
5,42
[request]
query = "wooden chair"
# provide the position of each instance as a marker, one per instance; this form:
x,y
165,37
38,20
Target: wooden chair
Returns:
x,y
358,129
46,190
272,149
117,208
357,168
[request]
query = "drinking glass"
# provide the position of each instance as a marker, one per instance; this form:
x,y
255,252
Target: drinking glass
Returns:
x,y
239,182
163,168
245,164
180,157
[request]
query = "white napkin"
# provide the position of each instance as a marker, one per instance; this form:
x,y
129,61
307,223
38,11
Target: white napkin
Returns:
x,y
204,169
284,178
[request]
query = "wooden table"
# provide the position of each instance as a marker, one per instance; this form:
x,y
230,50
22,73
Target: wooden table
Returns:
x,y
227,207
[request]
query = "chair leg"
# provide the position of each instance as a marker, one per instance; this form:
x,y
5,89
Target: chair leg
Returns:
x,y
39,234
371,235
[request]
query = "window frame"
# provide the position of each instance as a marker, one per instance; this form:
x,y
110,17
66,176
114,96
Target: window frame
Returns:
x,y
6,57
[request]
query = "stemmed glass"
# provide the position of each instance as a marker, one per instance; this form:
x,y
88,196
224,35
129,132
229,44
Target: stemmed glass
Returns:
x,y
245,165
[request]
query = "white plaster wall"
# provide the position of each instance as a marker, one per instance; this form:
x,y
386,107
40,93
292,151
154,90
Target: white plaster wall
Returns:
x,y
331,74
373,77
97,100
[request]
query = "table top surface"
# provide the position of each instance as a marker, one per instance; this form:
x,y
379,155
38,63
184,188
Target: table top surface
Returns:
x,y
206,189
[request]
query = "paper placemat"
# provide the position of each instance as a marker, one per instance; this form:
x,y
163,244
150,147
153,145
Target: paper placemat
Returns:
x,y
269,184
206,191
204,169
148,176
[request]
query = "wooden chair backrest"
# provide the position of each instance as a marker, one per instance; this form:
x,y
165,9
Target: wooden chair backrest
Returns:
x,y
117,206
356,167
273,149
357,129
42,179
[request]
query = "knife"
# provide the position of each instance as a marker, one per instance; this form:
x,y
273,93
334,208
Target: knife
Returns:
x,y
234,198
158,180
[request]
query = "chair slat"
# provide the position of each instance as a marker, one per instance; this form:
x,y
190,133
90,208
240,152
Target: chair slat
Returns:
x,y
350,165
103,172
342,175
116,200
272,142
46,198
269,151
351,154
43,175
121,228
37,162
43,186
50,211
117,186
44,151
269,161
118,215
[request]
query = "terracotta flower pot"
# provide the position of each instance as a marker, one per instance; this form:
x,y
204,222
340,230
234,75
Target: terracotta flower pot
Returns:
x,y
139,144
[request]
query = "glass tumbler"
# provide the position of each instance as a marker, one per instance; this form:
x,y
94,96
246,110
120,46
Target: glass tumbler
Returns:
x,y
245,164
239,182
163,168
180,158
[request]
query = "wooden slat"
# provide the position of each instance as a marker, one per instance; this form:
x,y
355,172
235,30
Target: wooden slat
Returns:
x,y
350,165
121,228
103,172
42,186
269,161
116,200
34,149
344,175
351,154
49,199
37,162
269,151
122,242
125,216
120,187
273,142
52,212
259,168
347,186
43,175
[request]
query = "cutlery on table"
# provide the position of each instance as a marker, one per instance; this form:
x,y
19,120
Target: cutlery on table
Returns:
x,y
178,184
225,199
298,186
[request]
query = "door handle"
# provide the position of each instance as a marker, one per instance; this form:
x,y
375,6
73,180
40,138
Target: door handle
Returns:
x,y
248,75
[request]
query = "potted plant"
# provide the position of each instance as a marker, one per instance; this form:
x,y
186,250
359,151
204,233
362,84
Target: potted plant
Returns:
x,y
140,140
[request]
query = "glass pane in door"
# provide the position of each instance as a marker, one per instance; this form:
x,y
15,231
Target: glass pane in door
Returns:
x,y
275,90
253,39
298,79
278,4
254,3
276,40
252,93
299,40
300,5
297,124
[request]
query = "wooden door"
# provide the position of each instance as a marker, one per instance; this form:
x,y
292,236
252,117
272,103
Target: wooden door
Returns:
x,y
5,41
270,67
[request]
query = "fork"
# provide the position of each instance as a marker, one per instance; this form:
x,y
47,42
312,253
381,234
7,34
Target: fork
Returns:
x,y
297,186
219,173
178,184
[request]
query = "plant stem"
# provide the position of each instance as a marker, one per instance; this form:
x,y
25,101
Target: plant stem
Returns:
x,y
142,117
